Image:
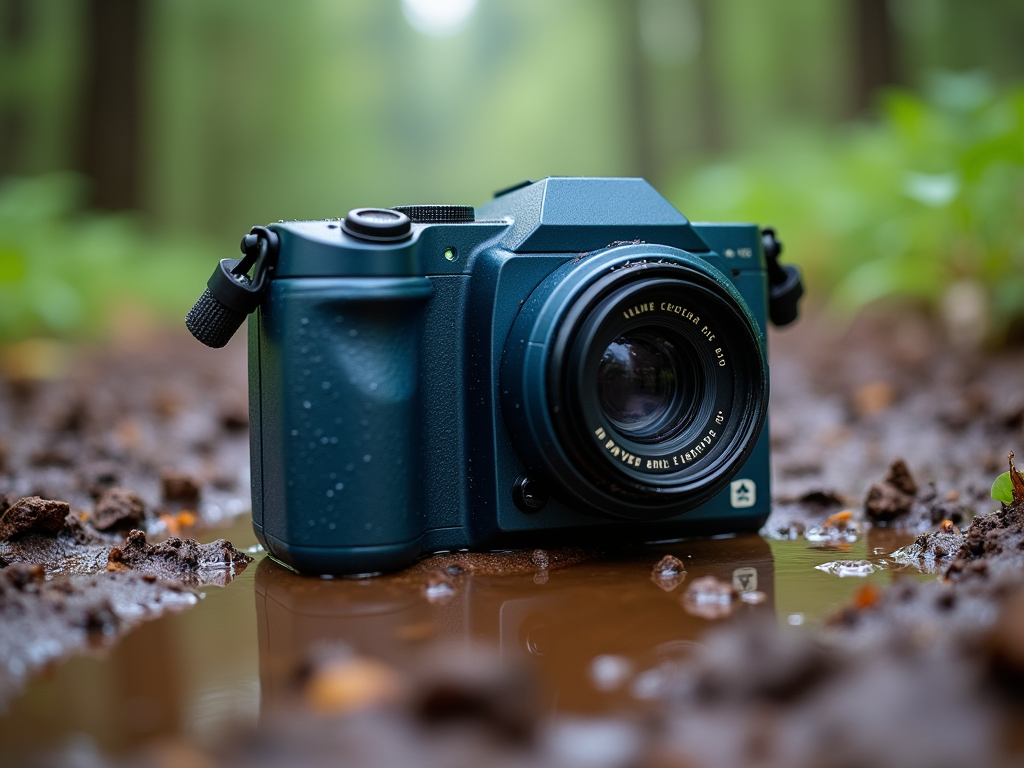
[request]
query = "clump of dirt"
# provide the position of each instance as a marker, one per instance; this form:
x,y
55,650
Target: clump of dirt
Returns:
x,y
933,550
174,558
893,496
118,509
33,515
668,573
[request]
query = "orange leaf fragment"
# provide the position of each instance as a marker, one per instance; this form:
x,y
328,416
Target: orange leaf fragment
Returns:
x,y
866,597
352,684
840,519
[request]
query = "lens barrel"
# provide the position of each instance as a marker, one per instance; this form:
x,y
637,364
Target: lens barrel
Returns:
x,y
636,381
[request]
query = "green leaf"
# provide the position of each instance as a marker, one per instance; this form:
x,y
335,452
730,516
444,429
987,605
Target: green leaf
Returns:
x,y
1002,489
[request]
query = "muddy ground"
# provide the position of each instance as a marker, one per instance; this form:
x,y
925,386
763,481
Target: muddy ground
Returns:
x,y
917,674
101,448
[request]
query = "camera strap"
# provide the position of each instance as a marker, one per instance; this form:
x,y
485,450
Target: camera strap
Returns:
x,y
231,294
785,288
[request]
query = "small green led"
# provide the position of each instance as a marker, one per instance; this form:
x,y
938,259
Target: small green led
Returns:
x,y
450,253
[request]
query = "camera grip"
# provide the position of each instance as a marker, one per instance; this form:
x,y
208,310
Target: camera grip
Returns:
x,y
340,401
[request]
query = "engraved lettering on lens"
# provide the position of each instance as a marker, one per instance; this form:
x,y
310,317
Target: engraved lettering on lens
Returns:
x,y
683,312
637,310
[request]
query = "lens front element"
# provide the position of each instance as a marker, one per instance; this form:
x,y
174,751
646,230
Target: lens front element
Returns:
x,y
640,383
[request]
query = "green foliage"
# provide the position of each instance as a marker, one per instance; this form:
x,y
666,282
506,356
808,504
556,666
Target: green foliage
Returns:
x,y
1002,489
67,273
928,197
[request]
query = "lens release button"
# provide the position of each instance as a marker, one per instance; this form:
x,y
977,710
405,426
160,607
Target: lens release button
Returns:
x,y
529,495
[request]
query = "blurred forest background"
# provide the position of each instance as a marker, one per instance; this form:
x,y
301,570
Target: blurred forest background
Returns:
x,y
139,139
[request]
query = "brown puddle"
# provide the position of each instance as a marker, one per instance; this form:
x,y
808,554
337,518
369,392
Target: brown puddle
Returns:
x,y
595,632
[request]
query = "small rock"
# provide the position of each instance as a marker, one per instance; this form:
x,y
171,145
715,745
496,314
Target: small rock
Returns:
x,y
540,558
119,509
33,515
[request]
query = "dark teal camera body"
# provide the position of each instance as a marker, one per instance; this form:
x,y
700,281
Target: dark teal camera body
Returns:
x,y
571,363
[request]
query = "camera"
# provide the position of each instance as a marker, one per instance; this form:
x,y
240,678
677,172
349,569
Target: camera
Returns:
x,y
573,362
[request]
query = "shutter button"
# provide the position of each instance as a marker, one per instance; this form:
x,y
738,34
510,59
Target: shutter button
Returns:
x,y
377,225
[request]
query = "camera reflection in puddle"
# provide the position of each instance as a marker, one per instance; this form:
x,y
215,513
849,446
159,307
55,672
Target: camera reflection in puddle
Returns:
x,y
591,633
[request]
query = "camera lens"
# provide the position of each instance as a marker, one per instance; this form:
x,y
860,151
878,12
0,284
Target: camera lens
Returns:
x,y
635,382
640,382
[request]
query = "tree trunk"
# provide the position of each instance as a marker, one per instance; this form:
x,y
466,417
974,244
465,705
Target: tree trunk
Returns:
x,y
111,129
638,96
15,23
711,135
875,64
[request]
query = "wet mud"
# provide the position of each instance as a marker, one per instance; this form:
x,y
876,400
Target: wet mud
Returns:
x,y
875,622
67,587
162,418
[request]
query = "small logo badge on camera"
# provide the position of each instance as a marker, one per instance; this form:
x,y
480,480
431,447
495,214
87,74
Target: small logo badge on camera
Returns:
x,y
742,493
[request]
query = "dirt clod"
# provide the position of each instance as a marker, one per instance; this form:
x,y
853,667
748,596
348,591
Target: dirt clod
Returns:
x,y
540,558
180,487
174,557
668,567
33,515
119,509
894,496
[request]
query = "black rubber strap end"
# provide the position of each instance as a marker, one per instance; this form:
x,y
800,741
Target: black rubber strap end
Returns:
x,y
212,322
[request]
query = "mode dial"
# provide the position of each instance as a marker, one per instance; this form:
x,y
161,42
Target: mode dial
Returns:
x,y
438,214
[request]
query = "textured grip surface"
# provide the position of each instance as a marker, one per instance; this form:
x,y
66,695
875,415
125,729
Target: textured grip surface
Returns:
x,y
211,322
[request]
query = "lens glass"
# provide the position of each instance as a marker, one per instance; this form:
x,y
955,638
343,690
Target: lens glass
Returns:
x,y
639,382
